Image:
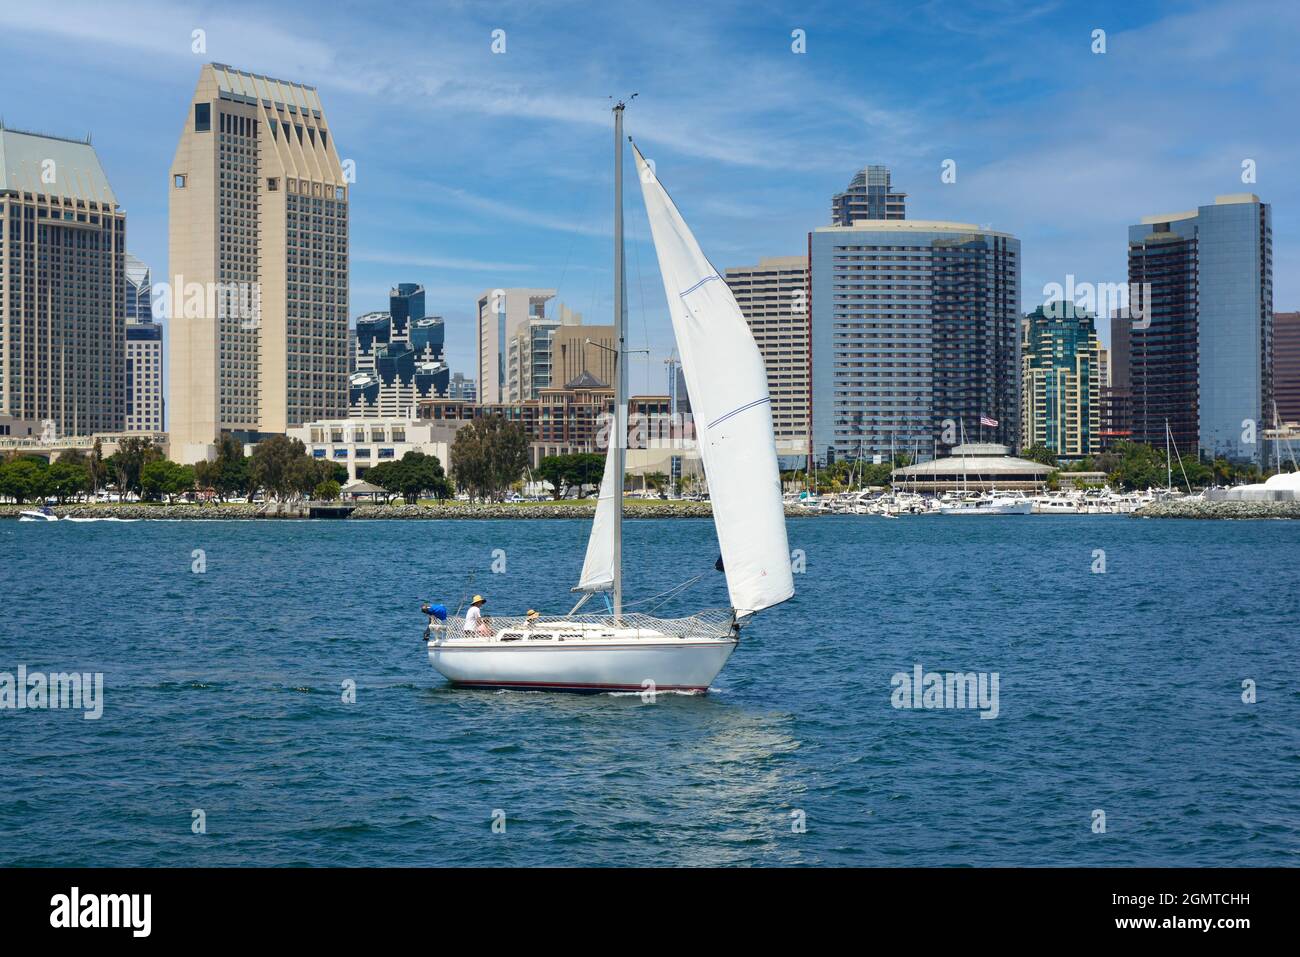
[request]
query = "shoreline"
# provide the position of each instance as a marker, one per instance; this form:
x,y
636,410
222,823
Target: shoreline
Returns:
x,y
459,511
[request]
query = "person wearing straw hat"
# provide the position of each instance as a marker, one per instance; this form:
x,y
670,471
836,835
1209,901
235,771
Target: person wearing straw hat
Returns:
x,y
532,618
474,617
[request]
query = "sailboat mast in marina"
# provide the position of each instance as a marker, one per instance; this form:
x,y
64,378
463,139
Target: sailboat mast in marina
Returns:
x,y
624,650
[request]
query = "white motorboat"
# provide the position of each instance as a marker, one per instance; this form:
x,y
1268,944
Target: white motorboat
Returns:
x,y
993,503
37,515
629,651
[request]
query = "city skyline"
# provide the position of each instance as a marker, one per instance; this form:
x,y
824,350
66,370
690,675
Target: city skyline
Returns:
x,y
440,137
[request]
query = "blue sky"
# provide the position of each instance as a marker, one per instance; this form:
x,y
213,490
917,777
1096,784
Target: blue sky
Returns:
x,y
477,170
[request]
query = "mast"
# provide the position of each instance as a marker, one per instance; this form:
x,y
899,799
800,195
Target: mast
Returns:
x,y
1169,463
620,366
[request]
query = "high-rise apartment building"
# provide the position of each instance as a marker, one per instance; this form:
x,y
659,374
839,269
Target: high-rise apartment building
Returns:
x,y
258,263
398,357
773,297
1117,384
144,352
1286,366
62,286
500,314
869,195
1061,381
462,388
1202,357
915,337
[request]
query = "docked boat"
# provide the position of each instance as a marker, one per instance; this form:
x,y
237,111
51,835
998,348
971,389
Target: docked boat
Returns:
x,y
624,650
991,503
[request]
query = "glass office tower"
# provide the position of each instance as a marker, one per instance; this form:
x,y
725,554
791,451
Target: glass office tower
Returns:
x,y
1202,360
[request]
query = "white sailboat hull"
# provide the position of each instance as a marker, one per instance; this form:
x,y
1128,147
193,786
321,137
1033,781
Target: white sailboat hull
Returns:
x,y
585,665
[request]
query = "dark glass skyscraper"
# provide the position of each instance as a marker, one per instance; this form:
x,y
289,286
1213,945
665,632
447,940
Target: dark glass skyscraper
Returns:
x,y
1202,358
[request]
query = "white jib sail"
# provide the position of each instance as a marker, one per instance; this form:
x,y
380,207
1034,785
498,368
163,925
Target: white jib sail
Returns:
x,y
598,569
727,384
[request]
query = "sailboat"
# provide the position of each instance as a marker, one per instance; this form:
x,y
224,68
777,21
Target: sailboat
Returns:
x,y
621,649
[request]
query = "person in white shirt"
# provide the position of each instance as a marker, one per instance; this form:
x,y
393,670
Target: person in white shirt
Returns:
x,y
474,617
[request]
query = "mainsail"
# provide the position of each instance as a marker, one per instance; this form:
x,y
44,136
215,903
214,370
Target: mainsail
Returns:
x,y
727,383
598,569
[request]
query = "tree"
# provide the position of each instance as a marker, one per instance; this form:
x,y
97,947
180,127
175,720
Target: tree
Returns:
x,y
414,474
488,455
129,460
164,477
1039,453
281,466
67,477
326,491
1139,467
555,470
98,470
24,479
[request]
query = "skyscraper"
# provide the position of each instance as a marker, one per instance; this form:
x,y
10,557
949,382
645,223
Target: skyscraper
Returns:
x,y
399,357
144,352
62,286
1286,366
773,297
1060,381
258,263
869,195
500,314
1117,386
915,337
1202,358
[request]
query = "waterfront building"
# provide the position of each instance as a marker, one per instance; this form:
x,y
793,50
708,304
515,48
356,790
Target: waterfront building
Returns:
x,y
773,297
1201,360
360,444
1060,381
398,357
62,286
975,467
500,313
575,417
258,261
869,195
144,352
1286,366
915,337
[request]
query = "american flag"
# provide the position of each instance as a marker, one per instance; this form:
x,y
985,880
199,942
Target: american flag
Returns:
x,y
991,423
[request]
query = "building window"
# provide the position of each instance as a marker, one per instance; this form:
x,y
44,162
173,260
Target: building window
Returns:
x,y
202,117
272,184
179,180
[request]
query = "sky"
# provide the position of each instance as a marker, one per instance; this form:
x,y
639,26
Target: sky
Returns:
x,y
478,169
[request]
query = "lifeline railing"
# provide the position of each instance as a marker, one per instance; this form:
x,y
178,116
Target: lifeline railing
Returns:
x,y
709,623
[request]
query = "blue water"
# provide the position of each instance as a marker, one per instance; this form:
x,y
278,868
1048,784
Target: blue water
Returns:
x,y
1118,692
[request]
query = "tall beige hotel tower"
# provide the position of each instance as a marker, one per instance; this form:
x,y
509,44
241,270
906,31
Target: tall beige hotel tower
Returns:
x,y
258,264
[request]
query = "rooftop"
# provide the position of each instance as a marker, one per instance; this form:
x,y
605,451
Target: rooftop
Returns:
x,y
911,226
27,160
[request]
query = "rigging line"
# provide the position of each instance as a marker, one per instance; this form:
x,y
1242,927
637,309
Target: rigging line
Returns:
x,y
586,205
665,594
